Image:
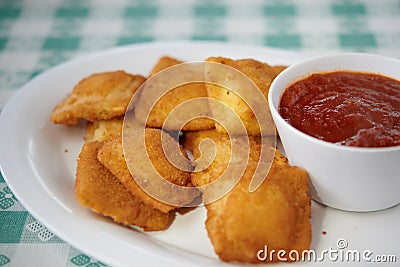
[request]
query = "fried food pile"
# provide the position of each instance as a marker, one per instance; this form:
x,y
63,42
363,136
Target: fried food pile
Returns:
x,y
239,223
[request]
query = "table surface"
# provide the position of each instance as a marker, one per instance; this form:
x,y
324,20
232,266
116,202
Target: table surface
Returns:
x,y
36,35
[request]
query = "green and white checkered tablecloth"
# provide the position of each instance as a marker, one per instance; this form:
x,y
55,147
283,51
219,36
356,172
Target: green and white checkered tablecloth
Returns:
x,y
38,34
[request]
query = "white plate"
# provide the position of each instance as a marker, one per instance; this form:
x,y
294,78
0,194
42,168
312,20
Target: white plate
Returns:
x,y
41,173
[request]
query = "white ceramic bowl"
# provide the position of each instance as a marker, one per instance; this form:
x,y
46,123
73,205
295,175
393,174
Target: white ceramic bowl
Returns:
x,y
343,177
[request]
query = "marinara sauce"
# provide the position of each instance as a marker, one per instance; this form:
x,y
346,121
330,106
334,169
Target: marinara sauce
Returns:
x,y
344,107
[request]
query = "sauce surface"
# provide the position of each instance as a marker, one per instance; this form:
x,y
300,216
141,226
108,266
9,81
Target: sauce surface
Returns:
x,y
344,107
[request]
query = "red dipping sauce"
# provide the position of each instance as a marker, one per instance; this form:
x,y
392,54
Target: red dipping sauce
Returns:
x,y
348,108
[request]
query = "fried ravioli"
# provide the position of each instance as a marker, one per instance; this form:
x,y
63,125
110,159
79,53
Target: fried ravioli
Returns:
x,y
191,140
114,176
100,96
172,99
241,223
276,215
260,73
97,188
112,156
105,130
218,159
163,63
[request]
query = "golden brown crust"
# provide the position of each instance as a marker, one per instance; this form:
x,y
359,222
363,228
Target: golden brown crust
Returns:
x,y
112,156
241,223
222,141
191,140
163,63
100,96
276,215
97,188
105,130
261,74
175,97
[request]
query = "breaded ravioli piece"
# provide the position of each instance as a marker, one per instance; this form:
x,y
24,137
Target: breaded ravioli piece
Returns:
x,y
112,156
276,215
260,73
163,63
218,159
172,99
105,130
191,140
100,96
97,188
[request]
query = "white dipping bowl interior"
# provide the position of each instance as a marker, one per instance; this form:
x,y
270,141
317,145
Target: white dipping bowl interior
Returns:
x,y
342,177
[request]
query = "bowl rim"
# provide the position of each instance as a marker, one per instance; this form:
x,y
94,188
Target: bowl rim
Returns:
x,y
278,79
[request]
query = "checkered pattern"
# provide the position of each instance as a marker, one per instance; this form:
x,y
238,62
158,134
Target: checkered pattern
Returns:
x,y
35,35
